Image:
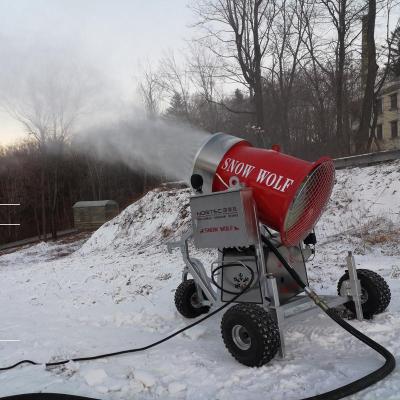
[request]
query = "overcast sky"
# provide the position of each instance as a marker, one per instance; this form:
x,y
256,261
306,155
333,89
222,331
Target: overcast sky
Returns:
x,y
114,36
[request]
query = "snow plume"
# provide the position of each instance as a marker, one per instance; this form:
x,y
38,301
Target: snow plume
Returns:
x,y
157,146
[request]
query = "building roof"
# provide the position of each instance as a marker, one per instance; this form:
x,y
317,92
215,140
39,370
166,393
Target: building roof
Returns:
x,y
98,203
390,86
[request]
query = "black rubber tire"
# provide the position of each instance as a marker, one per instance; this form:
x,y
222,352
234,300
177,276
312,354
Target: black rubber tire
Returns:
x,y
261,329
183,300
377,289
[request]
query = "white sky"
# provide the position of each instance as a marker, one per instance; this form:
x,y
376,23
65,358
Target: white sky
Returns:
x,y
115,36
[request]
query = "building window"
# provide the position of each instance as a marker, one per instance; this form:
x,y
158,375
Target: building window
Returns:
x,y
380,106
379,133
393,126
393,101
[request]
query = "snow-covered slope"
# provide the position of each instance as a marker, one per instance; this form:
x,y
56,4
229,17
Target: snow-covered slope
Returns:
x,y
360,197
116,292
149,221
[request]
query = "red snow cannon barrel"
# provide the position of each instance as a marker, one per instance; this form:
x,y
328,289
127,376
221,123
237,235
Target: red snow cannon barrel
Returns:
x,y
290,193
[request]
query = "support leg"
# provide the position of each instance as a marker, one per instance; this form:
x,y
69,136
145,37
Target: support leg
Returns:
x,y
275,308
354,285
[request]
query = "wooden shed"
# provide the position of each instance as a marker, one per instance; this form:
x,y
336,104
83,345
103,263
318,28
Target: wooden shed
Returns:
x,y
89,215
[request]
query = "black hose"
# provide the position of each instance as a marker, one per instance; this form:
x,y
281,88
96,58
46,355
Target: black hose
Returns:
x,y
283,261
46,396
365,381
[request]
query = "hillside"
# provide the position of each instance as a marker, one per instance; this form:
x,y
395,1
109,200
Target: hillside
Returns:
x,y
115,291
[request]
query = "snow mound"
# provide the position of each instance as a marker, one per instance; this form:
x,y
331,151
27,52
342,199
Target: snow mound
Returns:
x,y
152,220
363,200
95,376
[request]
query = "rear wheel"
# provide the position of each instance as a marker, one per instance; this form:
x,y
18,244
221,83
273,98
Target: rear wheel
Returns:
x,y
250,334
187,301
375,292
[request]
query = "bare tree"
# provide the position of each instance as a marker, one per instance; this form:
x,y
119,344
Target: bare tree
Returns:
x,y
175,81
238,31
47,104
204,70
363,132
316,68
287,52
20,169
345,17
152,91
385,53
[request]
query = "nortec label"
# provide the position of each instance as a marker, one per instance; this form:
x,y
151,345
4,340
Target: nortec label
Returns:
x,y
262,176
218,213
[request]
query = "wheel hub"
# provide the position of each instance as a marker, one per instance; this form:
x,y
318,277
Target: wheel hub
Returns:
x,y
194,300
241,337
346,291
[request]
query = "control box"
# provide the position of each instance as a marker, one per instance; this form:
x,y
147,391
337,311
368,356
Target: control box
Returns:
x,y
224,219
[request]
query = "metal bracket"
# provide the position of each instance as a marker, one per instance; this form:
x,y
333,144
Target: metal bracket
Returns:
x,y
194,267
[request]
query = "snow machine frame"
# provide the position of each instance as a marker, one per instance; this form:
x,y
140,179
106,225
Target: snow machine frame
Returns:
x,y
297,305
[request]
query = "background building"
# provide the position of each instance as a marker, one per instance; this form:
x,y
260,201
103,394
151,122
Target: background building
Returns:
x,y
387,128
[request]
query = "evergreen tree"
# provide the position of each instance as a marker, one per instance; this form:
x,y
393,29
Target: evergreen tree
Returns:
x,y
177,109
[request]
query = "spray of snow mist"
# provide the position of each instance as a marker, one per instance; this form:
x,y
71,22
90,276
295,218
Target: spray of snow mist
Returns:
x,y
157,146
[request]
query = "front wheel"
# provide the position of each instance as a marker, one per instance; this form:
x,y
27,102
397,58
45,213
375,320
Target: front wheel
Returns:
x,y
250,334
187,301
375,292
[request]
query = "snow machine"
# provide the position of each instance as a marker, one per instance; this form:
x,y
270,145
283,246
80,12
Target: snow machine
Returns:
x,y
258,208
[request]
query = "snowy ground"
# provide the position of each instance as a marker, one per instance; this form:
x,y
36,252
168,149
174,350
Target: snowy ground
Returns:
x,y
116,292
